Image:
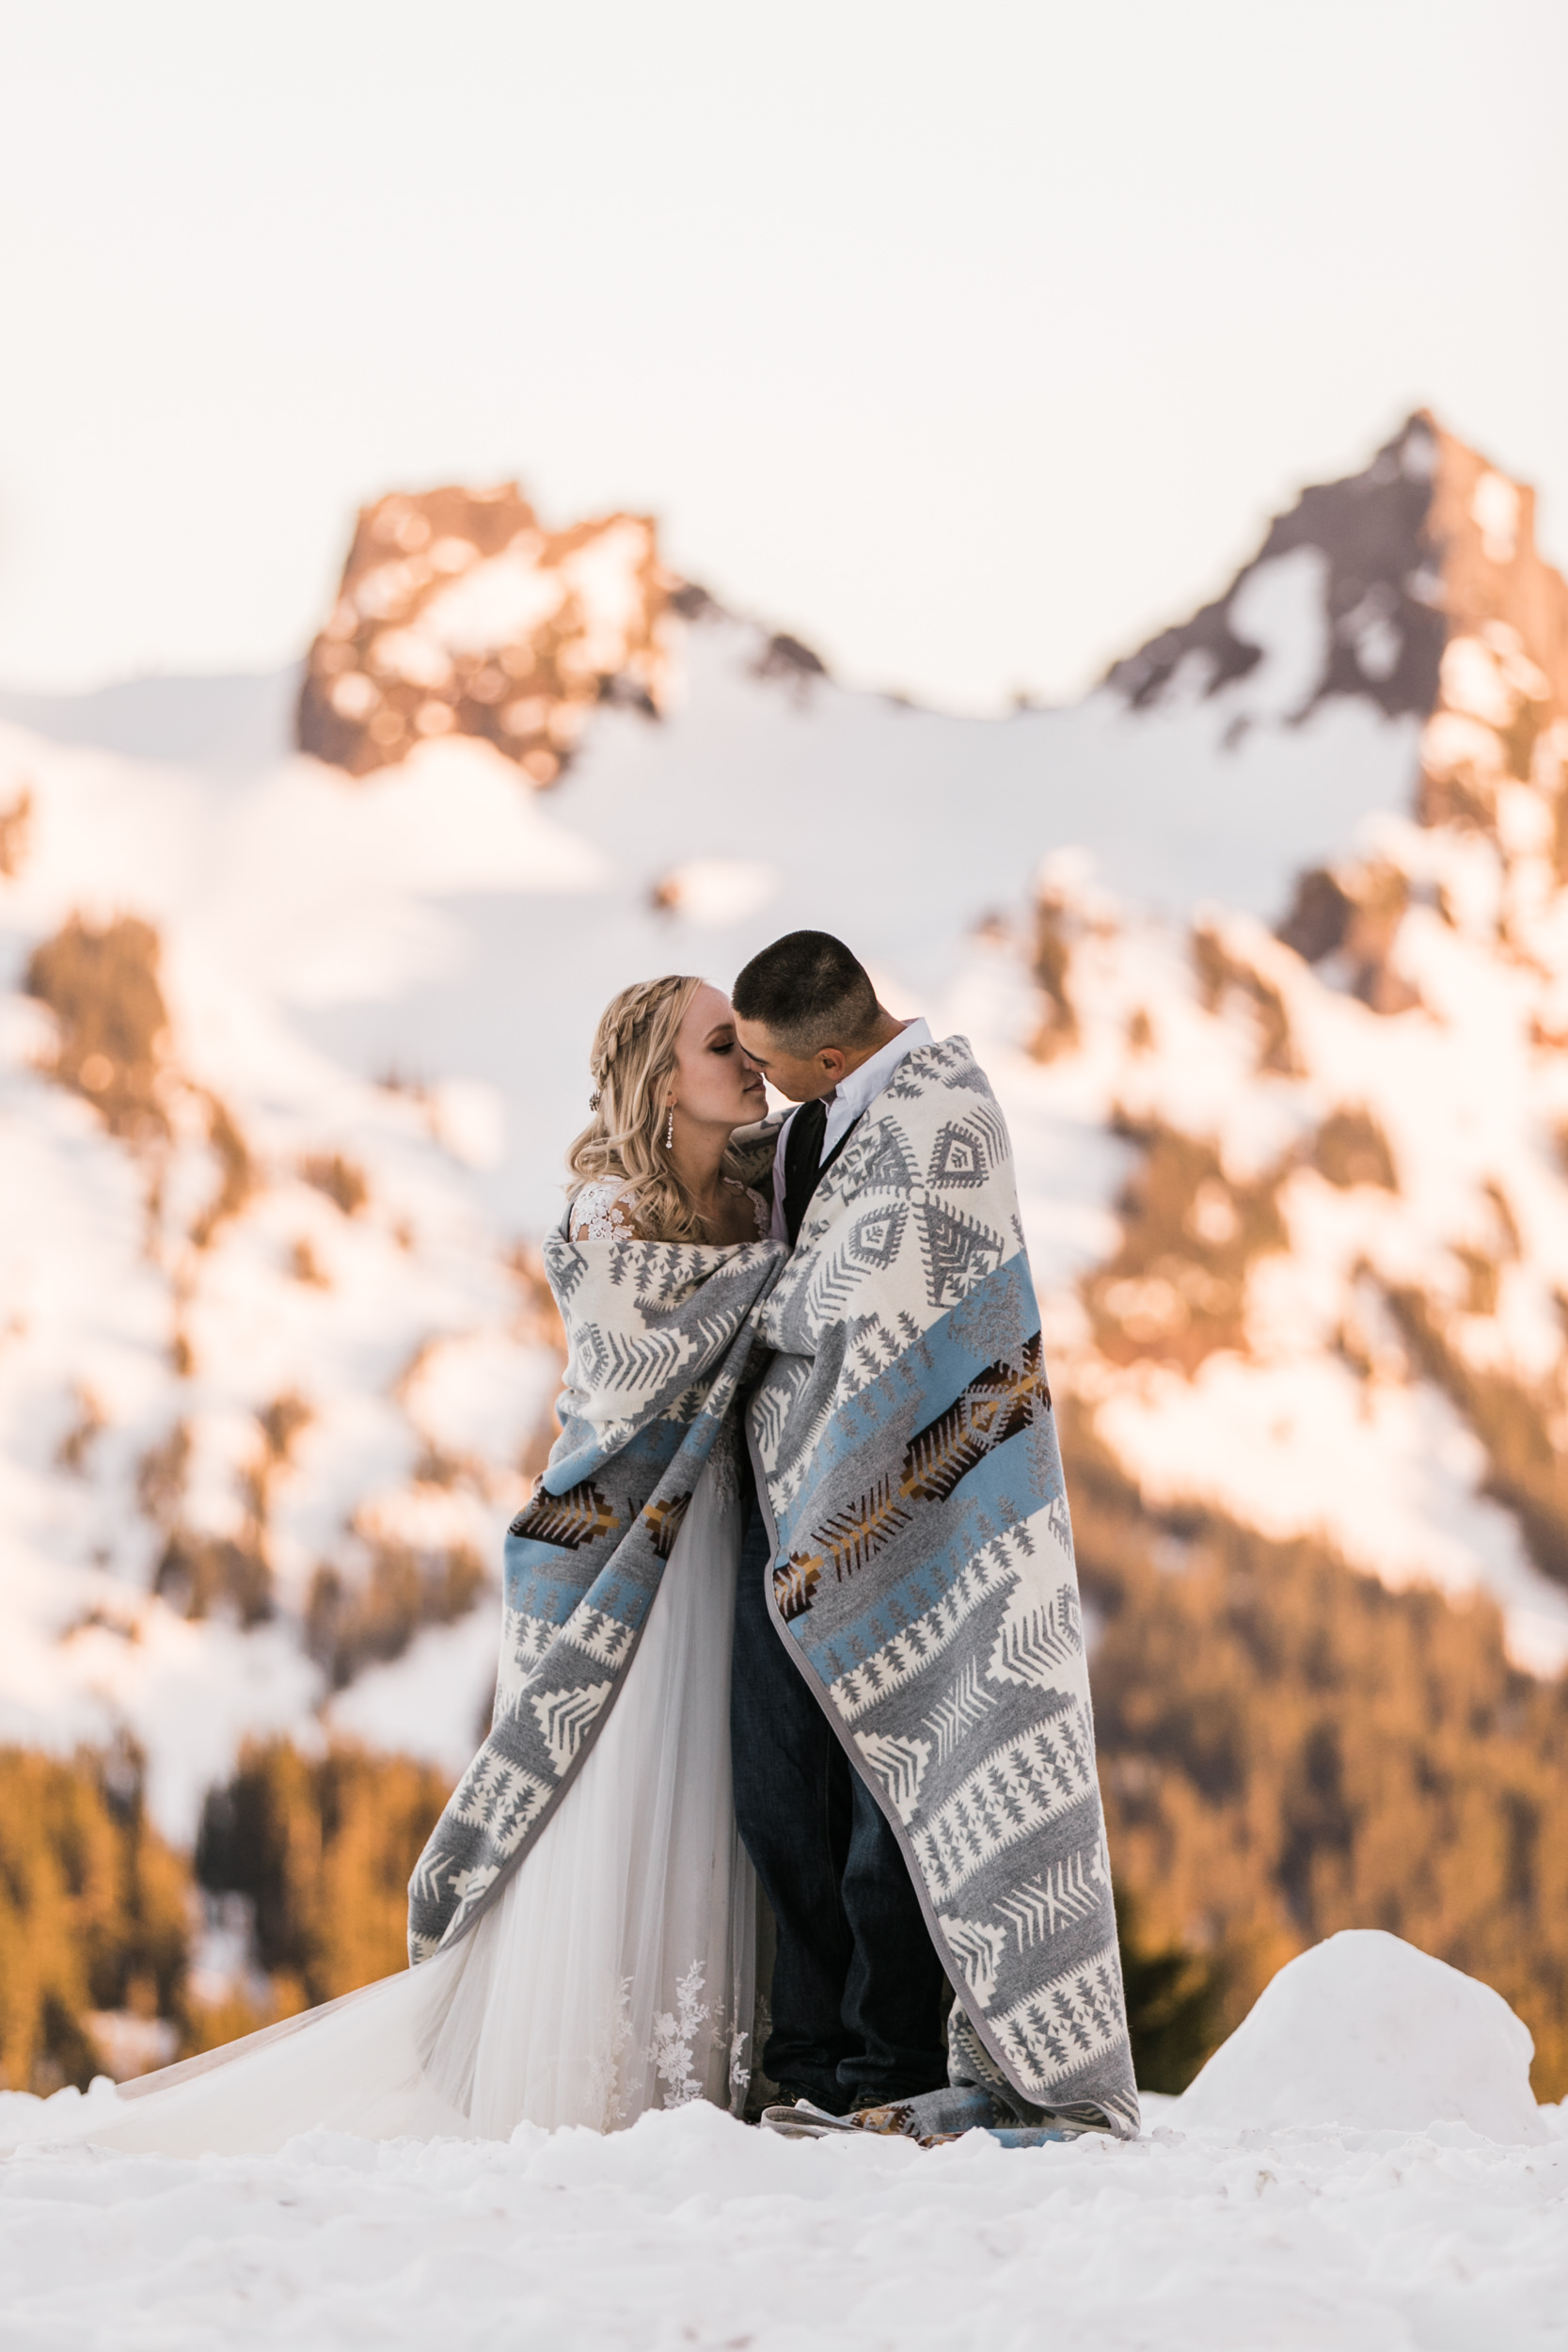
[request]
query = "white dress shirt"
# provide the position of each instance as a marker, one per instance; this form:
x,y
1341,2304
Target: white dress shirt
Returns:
x,y
850,1098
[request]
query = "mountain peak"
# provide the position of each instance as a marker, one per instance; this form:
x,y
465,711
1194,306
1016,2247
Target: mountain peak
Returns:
x,y
459,613
1430,546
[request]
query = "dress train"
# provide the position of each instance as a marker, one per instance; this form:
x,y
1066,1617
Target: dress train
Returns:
x,y
615,1973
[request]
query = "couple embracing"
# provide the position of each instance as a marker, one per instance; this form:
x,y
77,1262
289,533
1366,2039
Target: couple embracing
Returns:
x,y
794,1596
793,1605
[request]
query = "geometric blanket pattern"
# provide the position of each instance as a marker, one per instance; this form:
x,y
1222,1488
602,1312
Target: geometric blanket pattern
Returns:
x,y
922,1572
658,1338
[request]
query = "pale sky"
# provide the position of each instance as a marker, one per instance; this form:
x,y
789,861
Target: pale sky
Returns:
x,y
970,342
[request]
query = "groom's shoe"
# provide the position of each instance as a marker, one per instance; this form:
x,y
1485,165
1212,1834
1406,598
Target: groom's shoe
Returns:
x,y
934,2117
932,2120
800,2113
827,2102
806,2121
802,2119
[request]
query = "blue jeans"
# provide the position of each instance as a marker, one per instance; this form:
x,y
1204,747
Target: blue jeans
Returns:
x,y
858,1990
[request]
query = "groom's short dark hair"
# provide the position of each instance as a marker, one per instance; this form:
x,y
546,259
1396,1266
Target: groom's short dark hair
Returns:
x,y
808,990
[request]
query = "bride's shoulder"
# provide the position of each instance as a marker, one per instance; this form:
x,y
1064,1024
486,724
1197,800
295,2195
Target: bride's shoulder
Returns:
x,y
604,1211
762,1211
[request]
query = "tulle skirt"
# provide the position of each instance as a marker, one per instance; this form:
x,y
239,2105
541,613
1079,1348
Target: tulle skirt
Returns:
x,y
615,1972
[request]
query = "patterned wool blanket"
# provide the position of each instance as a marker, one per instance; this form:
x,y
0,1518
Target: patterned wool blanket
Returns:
x,y
924,1575
924,1571
658,1339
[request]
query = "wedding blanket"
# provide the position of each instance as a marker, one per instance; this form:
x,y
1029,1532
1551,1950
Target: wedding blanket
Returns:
x,y
924,1572
659,1339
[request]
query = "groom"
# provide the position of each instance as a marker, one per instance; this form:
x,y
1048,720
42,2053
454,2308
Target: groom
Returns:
x,y
859,1993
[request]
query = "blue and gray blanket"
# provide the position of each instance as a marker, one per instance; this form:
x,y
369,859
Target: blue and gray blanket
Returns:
x,y
922,1572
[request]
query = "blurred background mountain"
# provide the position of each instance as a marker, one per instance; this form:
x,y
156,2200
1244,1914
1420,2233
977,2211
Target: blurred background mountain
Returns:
x,y
1264,942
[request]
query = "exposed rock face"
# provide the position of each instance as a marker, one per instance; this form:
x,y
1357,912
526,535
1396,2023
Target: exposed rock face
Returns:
x,y
1499,719
103,988
459,614
1353,917
1436,602
1382,590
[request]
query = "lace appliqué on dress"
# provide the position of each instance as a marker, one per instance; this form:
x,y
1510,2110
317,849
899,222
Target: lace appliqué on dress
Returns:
x,y
674,2033
685,2041
600,1213
606,1211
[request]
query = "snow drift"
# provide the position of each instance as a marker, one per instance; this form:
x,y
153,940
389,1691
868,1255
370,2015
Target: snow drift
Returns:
x,y
1367,2031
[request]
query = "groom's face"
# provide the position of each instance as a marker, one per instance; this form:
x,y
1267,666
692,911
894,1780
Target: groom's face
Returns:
x,y
799,1077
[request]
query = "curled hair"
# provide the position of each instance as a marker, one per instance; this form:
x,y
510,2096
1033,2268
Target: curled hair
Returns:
x,y
632,1059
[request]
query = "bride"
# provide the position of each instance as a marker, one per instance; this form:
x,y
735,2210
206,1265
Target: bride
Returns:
x,y
583,1917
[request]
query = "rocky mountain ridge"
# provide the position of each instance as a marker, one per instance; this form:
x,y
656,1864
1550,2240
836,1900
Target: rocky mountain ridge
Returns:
x,y
458,614
1371,1204
1265,945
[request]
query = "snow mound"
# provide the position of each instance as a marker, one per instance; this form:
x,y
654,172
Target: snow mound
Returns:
x,y
1367,2031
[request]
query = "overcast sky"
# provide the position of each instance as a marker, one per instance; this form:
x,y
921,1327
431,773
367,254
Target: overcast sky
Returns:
x,y
970,342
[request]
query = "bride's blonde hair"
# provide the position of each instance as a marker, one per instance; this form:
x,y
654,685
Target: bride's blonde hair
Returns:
x,y
632,1059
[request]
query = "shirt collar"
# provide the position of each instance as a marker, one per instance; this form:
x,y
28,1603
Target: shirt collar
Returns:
x,y
860,1090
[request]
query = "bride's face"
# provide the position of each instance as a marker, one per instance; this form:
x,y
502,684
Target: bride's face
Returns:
x,y
714,1083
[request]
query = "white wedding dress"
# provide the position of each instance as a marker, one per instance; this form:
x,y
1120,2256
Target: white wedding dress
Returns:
x,y
615,1973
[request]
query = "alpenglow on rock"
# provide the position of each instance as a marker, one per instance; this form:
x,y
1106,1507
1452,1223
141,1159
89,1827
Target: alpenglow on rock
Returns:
x,y
459,613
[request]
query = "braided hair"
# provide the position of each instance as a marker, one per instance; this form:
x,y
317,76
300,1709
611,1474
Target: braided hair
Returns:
x,y
631,1060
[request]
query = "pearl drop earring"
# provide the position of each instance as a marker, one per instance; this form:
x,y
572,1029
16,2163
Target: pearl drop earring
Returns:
x,y
670,1130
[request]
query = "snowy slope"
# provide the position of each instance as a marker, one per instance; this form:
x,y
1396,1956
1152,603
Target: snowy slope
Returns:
x,y
765,798
688,2228
1417,2200
393,965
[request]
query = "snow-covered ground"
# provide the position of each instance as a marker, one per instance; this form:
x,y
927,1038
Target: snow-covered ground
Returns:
x,y
689,2230
1210,2233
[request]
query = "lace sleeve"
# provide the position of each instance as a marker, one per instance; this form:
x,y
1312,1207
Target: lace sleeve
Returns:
x,y
762,1211
604,1212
